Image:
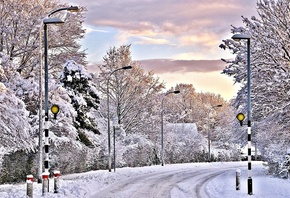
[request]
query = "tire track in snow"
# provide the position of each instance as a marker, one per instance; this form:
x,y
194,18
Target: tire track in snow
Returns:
x,y
200,189
174,184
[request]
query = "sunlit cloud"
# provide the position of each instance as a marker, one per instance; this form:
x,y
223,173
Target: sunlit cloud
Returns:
x,y
122,38
202,46
205,39
147,41
190,56
142,32
171,65
90,30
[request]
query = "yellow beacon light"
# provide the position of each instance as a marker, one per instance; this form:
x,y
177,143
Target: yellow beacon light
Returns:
x,y
55,109
241,118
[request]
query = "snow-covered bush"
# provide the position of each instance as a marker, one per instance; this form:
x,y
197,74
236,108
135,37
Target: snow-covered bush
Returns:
x,y
14,122
132,149
16,138
182,143
16,166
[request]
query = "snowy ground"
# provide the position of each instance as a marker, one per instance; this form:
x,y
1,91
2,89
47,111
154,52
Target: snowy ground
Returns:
x,y
92,184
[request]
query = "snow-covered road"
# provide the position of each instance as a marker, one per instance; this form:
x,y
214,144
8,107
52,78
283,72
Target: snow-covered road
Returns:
x,y
189,182
202,180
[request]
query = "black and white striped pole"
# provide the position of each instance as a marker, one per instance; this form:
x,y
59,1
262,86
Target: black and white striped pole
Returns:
x,y
238,37
45,174
54,110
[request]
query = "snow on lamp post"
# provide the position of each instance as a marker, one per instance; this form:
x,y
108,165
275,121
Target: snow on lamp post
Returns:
x,y
162,141
208,131
108,114
46,21
238,37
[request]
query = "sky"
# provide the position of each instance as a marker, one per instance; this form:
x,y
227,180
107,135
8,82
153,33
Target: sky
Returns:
x,y
186,178
177,39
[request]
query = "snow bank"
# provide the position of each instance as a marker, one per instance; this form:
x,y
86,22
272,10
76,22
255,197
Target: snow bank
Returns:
x,y
222,186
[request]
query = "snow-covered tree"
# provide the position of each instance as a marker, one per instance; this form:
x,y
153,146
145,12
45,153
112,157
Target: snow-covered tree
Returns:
x,y
191,107
134,105
183,143
84,99
269,33
14,122
131,91
21,28
135,150
21,38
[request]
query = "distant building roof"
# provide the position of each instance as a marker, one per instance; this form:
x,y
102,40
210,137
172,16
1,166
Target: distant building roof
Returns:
x,y
244,150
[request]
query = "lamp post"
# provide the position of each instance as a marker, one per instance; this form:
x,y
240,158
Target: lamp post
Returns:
x,y
47,21
162,145
238,37
108,116
208,131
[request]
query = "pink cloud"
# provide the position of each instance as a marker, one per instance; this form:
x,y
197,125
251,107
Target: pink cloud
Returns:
x,y
182,66
166,16
177,23
160,66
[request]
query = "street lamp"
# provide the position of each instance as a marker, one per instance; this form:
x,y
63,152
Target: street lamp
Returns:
x,y
47,21
162,103
238,37
208,131
108,108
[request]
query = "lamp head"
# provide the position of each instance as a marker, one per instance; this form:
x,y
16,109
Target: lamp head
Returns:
x,y
73,9
53,21
127,67
172,92
238,37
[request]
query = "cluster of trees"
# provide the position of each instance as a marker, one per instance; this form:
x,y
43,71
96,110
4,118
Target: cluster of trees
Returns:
x,y
270,56
78,137
79,134
135,107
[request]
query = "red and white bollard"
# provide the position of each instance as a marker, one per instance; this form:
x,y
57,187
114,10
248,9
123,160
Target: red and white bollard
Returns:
x,y
56,180
45,183
29,188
